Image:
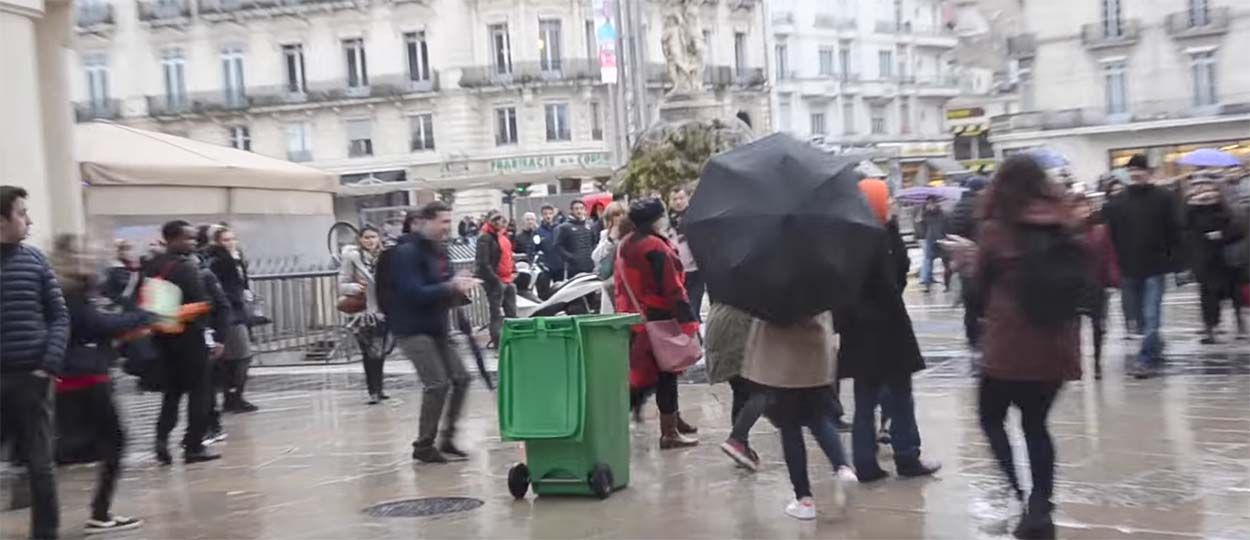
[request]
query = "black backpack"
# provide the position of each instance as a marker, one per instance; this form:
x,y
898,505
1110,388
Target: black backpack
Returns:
x,y
1054,275
382,278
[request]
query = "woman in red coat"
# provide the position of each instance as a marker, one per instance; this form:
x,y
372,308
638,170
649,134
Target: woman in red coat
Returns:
x,y
647,265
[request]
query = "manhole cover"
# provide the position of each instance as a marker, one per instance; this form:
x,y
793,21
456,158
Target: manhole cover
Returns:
x,y
429,506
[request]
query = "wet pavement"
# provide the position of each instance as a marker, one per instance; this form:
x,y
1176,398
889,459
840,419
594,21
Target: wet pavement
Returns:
x,y
1161,458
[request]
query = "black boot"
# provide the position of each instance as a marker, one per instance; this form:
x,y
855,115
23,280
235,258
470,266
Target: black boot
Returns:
x,y
1036,523
199,455
162,452
1208,337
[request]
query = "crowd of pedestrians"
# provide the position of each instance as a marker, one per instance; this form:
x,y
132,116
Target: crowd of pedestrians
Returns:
x,y
1032,260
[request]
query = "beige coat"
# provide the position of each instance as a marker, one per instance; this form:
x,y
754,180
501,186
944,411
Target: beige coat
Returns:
x,y
800,355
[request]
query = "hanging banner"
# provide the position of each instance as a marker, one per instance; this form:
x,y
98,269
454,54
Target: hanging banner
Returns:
x,y
605,36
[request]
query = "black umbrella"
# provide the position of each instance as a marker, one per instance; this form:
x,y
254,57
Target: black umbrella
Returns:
x,y
780,229
466,329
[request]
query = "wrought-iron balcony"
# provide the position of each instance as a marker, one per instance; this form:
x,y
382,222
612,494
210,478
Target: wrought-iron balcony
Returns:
x,y
527,73
1139,111
1022,46
252,97
834,22
220,10
163,11
93,15
108,109
1194,23
1108,34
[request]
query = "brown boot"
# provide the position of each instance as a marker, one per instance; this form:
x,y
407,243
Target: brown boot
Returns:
x,y
684,428
670,437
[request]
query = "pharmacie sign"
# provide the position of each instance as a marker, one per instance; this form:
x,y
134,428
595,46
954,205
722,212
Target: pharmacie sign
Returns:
x,y
548,162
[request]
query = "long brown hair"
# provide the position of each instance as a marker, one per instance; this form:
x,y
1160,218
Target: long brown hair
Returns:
x,y
1019,182
617,215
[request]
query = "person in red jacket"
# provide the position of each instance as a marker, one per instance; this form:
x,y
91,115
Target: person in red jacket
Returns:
x,y
647,265
497,272
1106,270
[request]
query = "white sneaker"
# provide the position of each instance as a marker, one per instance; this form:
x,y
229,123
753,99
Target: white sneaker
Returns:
x,y
839,495
846,475
114,523
802,509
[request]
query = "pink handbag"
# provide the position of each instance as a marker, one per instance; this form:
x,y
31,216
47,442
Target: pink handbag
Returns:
x,y
673,349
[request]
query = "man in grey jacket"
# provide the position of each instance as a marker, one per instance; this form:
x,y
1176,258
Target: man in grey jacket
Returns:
x,y
34,328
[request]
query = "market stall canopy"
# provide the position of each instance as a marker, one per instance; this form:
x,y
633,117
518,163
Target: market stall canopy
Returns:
x,y
110,154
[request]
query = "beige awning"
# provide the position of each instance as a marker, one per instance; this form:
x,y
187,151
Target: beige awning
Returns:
x,y
110,154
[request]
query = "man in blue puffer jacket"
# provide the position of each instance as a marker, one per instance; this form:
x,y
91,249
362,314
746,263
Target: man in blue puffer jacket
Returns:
x,y
34,327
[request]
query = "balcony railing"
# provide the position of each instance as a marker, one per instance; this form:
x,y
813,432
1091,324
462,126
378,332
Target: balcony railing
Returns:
x,y
1142,111
85,111
93,14
273,96
835,22
231,9
567,69
785,18
1022,46
1102,35
159,11
1190,24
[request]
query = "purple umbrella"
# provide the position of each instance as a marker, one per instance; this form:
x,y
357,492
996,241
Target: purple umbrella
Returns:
x,y
1209,157
920,194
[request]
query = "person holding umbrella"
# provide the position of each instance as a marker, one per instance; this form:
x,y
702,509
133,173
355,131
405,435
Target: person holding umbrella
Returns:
x,y
1209,227
879,350
931,228
649,280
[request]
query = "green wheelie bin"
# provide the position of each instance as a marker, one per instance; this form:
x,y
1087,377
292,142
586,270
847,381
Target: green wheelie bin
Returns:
x,y
564,392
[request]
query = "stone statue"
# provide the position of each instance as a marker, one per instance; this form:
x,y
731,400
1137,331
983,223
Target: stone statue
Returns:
x,y
682,41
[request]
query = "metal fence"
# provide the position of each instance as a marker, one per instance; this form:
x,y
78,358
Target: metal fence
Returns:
x,y
307,326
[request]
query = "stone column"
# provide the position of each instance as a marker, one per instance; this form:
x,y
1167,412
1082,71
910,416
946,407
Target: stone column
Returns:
x,y
34,108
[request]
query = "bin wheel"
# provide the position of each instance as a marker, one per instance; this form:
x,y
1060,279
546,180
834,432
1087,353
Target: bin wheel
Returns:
x,y
519,480
601,480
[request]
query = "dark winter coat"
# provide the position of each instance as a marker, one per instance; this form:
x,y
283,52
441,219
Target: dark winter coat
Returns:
x,y
1014,347
523,242
118,287
419,278
932,225
963,218
1145,230
1206,255
34,323
232,274
486,259
92,332
550,255
878,342
576,241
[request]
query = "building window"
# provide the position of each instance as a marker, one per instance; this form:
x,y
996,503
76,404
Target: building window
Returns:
x,y
848,118
596,121
885,64
232,76
1112,20
1115,76
357,73
97,70
878,120
549,45
240,138
1203,68
421,127
707,48
818,123
174,68
826,61
844,60
592,42
783,113
783,61
505,126
501,49
740,52
558,122
418,56
904,118
1024,71
294,57
359,138
1199,13
299,142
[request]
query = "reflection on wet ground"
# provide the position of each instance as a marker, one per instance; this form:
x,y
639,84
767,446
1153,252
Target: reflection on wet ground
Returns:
x,y
1160,458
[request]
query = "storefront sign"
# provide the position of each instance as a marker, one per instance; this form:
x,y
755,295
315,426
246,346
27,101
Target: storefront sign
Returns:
x,y
549,162
924,149
605,38
968,112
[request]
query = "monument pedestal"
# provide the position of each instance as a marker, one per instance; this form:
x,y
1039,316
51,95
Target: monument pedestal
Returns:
x,y
702,106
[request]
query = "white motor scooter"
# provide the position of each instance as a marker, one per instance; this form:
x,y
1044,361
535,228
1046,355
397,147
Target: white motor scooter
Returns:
x,y
578,295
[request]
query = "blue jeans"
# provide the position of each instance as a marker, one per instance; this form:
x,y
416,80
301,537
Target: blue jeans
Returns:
x,y
926,265
795,451
895,398
1147,295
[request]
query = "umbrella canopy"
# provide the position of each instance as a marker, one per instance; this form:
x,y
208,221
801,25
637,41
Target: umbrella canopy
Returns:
x,y
115,155
780,229
1209,157
920,194
1047,158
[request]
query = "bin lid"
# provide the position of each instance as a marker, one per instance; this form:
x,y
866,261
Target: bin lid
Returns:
x,y
542,379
